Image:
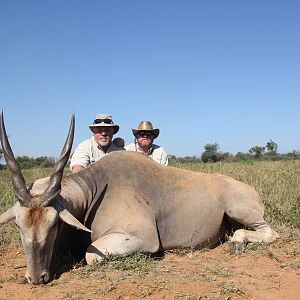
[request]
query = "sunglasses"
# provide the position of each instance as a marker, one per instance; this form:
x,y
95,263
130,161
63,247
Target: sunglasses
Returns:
x,y
145,133
105,121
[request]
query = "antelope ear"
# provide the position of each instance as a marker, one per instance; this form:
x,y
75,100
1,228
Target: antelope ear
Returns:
x,y
10,214
68,218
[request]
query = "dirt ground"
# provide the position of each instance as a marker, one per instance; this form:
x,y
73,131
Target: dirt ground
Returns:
x,y
268,272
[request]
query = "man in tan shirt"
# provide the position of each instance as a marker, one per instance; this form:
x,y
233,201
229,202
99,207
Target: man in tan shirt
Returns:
x,y
99,145
144,137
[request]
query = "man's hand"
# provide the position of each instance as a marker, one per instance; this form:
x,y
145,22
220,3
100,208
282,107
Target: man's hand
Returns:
x,y
77,168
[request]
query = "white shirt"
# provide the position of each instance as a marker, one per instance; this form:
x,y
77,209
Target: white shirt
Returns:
x,y
89,151
156,152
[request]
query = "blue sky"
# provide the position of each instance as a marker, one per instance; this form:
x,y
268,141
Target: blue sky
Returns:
x,y
225,72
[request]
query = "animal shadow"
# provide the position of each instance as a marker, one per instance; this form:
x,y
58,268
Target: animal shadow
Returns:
x,y
69,252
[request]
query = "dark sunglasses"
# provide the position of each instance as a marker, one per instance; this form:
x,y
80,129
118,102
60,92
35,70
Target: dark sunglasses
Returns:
x,y
105,121
145,133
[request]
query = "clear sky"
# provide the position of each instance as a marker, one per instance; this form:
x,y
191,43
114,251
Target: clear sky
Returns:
x,y
225,72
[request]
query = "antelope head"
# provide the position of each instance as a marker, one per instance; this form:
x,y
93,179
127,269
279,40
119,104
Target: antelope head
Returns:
x,y
37,216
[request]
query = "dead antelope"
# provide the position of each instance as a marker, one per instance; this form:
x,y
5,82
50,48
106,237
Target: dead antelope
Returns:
x,y
129,203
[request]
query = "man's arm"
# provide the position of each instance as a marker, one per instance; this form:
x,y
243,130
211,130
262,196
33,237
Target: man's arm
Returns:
x,y
164,158
80,158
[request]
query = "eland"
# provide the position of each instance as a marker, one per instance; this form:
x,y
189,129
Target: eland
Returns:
x,y
129,203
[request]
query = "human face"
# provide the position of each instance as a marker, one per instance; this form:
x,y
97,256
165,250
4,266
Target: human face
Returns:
x,y
145,139
103,135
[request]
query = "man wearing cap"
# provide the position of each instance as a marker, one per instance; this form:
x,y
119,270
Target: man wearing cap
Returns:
x,y
144,137
99,145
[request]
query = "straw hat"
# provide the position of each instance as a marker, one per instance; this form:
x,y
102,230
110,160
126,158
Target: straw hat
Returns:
x,y
103,120
146,126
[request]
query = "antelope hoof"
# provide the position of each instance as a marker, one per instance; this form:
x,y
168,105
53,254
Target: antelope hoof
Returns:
x,y
237,248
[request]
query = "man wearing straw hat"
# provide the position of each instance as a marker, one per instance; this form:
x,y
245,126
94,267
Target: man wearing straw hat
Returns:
x,y
99,145
144,137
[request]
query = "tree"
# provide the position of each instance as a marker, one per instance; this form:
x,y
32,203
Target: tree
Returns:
x,y
293,155
242,156
172,157
212,147
44,161
27,162
272,147
257,151
211,153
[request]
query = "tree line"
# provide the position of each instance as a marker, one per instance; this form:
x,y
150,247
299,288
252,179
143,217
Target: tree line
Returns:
x,y
211,153
27,162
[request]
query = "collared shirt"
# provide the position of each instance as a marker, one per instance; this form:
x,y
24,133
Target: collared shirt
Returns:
x,y
156,152
89,151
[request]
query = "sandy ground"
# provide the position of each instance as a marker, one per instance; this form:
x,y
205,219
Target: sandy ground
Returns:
x,y
269,272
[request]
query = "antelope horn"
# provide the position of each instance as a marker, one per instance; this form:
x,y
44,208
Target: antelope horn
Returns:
x,y
18,181
54,186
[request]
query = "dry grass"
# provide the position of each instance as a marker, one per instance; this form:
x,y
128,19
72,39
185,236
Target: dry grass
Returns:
x,y
278,183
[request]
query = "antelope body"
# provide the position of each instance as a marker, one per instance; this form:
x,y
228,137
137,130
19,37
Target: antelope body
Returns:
x,y
129,203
